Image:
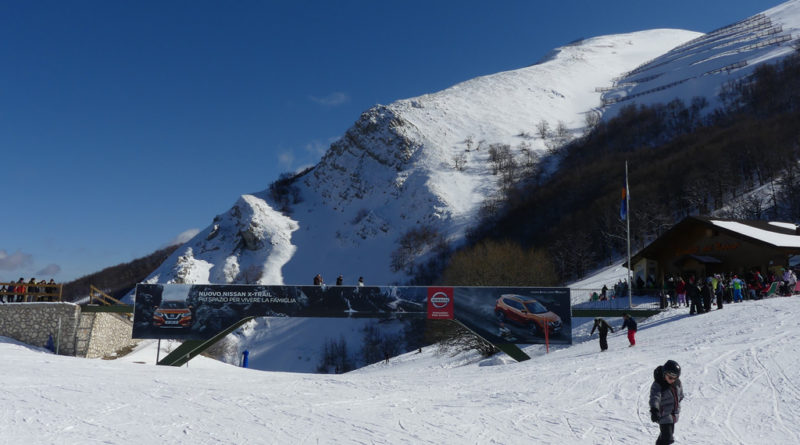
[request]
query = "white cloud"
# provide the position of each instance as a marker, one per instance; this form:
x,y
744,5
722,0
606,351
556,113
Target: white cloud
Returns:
x,y
331,100
313,152
49,270
316,148
15,261
286,159
183,237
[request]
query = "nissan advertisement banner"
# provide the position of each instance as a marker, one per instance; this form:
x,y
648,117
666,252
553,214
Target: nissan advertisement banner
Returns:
x,y
501,315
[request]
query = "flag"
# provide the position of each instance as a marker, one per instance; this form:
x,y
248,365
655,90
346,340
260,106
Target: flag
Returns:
x,y
623,209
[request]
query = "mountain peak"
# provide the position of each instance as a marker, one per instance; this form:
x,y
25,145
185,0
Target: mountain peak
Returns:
x,y
425,163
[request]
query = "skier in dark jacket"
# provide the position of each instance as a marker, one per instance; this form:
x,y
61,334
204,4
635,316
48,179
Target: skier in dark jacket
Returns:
x,y
666,394
629,323
693,294
707,292
602,327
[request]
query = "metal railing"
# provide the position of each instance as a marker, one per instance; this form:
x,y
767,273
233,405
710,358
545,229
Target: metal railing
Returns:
x,y
642,299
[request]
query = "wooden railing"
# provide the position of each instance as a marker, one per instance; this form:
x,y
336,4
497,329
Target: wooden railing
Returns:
x,y
96,296
22,292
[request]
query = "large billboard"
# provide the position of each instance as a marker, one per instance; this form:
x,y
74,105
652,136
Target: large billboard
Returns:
x,y
516,314
501,315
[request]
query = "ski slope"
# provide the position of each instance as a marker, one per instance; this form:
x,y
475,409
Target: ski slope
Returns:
x,y
740,377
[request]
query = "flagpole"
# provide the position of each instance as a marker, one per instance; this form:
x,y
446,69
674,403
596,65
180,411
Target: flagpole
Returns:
x,y
628,223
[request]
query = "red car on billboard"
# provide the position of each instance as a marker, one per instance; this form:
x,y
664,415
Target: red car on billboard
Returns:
x,y
526,312
172,314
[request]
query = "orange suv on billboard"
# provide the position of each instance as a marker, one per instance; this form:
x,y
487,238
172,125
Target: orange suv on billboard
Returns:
x,y
172,314
527,312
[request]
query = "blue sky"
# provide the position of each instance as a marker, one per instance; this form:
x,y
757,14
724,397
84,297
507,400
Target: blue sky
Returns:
x,y
126,124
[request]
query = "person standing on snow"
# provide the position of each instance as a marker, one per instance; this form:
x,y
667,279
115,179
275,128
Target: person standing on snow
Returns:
x,y
719,291
693,294
680,288
666,394
707,294
602,328
737,285
629,323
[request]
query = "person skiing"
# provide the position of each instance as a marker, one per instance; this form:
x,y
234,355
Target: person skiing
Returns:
x,y
630,324
602,328
666,394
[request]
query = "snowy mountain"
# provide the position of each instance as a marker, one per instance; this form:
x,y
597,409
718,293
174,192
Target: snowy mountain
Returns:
x,y
700,66
394,171
739,375
423,164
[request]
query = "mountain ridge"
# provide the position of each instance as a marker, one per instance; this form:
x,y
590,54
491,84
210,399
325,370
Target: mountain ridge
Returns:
x,y
393,171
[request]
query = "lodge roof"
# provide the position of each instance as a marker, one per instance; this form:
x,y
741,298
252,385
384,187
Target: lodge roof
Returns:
x,y
781,235
777,234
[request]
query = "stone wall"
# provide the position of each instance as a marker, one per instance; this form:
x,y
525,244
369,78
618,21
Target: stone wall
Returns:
x,y
33,323
81,334
109,333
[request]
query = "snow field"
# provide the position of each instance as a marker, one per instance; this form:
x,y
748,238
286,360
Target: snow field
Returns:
x,y
739,373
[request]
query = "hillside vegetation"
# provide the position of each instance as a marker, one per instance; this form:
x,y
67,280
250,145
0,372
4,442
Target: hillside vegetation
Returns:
x,y
682,160
117,280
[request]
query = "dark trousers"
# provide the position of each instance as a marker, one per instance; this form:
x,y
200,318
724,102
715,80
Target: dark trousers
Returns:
x,y
695,306
603,342
665,438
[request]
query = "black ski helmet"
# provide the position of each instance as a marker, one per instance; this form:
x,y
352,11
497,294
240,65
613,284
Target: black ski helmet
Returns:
x,y
672,367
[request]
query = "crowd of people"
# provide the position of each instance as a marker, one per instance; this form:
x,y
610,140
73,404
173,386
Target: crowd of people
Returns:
x,y
318,281
719,289
21,291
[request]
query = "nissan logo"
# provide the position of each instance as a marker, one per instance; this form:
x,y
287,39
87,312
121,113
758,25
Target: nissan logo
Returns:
x,y
440,300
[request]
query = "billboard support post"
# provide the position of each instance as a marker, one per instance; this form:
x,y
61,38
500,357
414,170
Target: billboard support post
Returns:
x,y
547,337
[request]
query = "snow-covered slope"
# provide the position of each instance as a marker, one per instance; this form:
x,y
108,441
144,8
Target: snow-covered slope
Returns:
x,y
394,170
701,66
739,375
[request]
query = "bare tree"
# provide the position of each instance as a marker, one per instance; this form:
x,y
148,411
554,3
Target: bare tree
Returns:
x,y
543,129
460,161
591,120
335,357
530,159
469,141
413,244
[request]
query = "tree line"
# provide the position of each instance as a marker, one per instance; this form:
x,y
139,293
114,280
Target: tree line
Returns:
x,y
117,281
683,160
